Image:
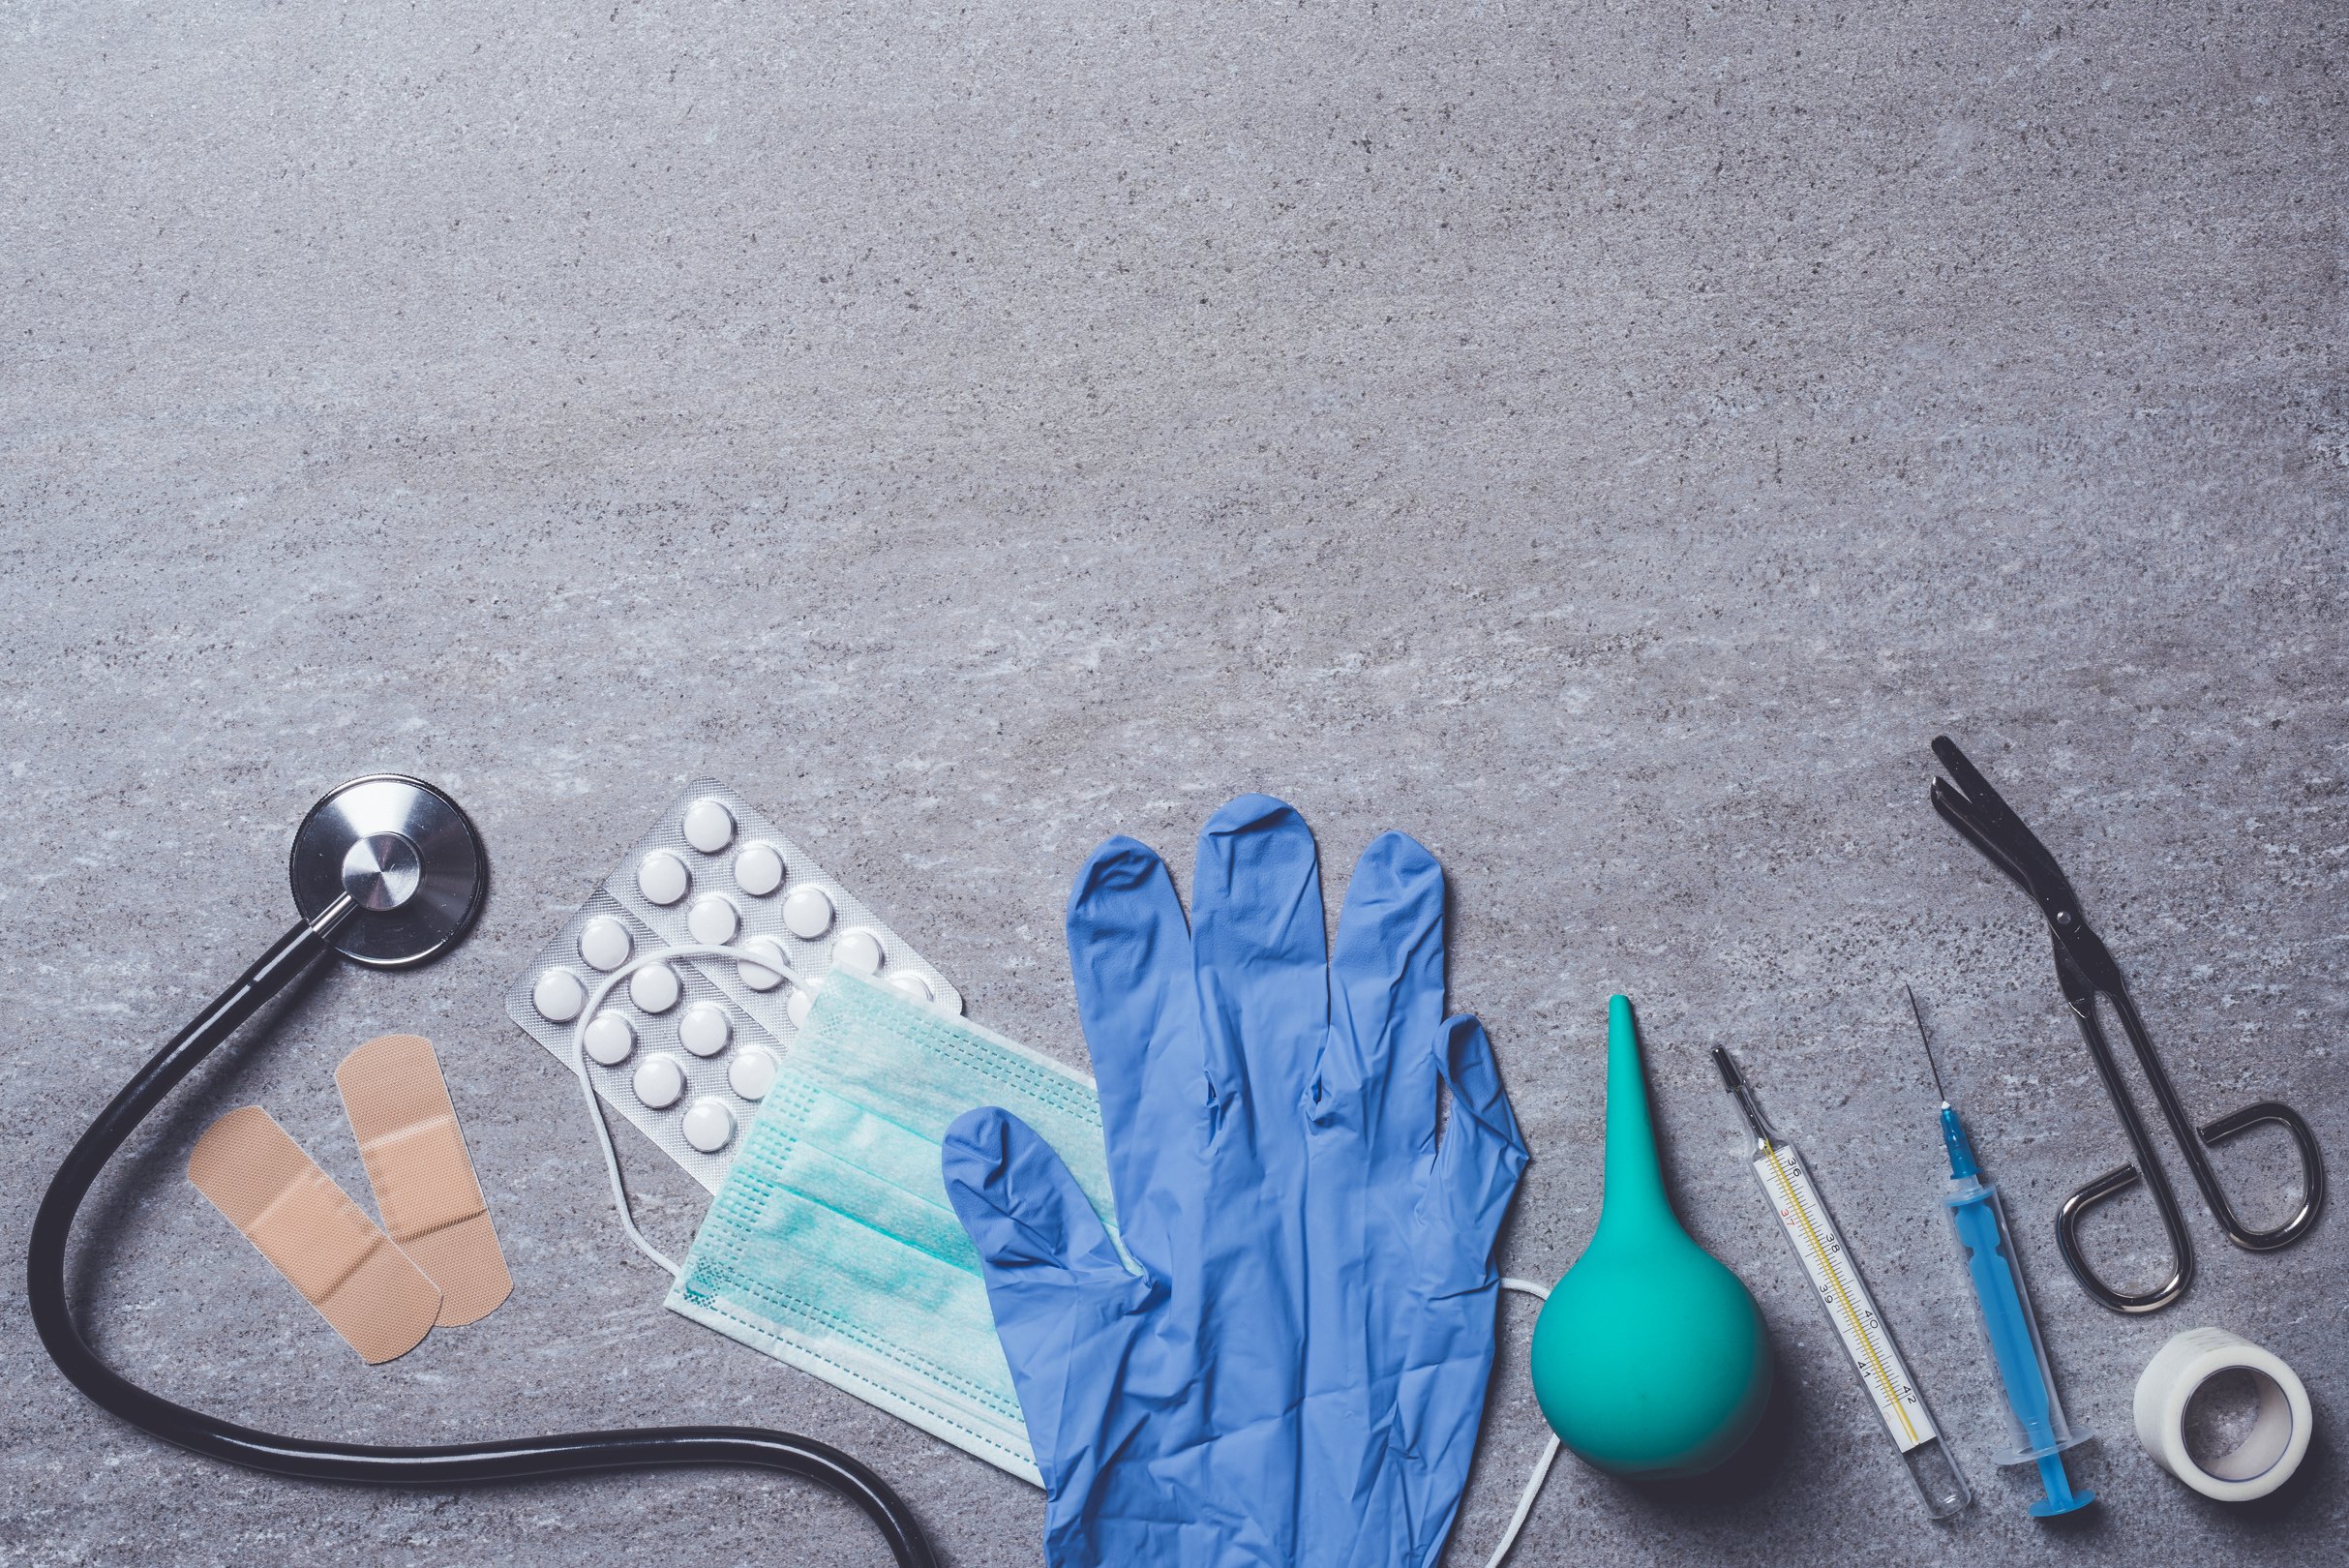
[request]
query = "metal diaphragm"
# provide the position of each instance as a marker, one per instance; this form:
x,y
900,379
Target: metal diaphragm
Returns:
x,y
408,857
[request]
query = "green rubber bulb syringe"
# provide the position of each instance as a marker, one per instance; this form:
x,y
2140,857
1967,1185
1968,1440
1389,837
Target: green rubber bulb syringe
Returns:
x,y
1649,1359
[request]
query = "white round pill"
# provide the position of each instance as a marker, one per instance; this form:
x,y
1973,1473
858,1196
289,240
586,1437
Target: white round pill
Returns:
x,y
654,988
807,914
609,1038
756,977
660,1080
709,1125
859,950
559,995
712,920
799,1005
663,878
912,986
758,870
604,943
751,1073
709,826
704,1030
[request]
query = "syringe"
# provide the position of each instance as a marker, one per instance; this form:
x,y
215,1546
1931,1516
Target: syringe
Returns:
x,y
2039,1430
1866,1338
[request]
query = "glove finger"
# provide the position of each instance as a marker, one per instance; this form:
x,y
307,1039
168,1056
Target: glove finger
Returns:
x,y
1261,953
1482,1155
1387,987
1129,953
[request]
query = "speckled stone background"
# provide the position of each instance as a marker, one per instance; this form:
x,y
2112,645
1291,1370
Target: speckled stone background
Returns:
x,y
1605,440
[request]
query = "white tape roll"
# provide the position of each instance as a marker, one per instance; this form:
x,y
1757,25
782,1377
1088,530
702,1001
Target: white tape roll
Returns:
x,y
2263,1460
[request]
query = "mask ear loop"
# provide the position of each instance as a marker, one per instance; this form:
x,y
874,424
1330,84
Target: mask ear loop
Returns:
x,y
587,1085
1540,1466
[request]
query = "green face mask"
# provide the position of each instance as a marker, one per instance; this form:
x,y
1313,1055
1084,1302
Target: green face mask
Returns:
x,y
830,1245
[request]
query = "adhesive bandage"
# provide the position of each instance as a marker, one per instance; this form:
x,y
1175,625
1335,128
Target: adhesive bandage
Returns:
x,y
310,1231
416,1160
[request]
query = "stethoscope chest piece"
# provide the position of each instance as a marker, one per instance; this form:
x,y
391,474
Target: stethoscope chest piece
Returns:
x,y
407,856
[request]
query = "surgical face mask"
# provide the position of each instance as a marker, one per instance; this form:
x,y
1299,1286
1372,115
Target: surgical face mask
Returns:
x,y
831,1246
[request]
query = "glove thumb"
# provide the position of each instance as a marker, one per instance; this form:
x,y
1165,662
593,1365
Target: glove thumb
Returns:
x,y
1482,1153
1034,1230
1052,1274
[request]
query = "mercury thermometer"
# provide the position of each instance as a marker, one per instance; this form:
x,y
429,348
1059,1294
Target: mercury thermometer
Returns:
x,y
1866,1340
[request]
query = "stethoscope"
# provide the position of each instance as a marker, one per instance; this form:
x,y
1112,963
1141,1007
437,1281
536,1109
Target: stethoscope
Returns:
x,y
389,873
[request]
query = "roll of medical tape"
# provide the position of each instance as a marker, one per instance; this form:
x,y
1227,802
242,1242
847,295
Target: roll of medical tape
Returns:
x,y
2278,1439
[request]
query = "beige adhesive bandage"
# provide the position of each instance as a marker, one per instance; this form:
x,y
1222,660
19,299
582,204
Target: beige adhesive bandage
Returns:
x,y
400,1112
316,1236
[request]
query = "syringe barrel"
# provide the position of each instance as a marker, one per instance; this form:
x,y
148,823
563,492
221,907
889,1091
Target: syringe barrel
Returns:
x,y
2035,1413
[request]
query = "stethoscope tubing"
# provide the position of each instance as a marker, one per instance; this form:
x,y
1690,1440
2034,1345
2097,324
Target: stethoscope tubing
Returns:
x,y
433,1467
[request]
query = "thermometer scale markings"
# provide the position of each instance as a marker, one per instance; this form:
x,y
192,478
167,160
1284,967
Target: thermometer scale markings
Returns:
x,y
1835,1279
1848,1305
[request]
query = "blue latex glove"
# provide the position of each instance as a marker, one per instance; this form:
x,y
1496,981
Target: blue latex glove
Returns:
x,y
1297,1374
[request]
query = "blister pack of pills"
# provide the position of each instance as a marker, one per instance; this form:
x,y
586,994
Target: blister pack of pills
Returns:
x,y
686,1047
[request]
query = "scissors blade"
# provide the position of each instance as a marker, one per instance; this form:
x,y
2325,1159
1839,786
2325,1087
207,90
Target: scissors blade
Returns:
x,y
1979,811
1953,810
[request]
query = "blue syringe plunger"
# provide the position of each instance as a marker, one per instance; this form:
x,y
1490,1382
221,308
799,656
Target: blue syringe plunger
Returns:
x,y
2060,1499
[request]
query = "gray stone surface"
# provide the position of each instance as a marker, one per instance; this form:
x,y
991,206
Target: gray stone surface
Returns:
x,y
1605,440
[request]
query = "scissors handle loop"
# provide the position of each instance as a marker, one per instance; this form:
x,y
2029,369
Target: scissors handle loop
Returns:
x,y
2311,1175
2105,1188
2114,1183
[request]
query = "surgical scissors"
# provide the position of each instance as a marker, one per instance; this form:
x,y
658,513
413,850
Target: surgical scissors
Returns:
x,y
2086,971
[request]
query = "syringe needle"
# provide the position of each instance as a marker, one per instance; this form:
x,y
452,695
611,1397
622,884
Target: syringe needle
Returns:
x,y
1931,1065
